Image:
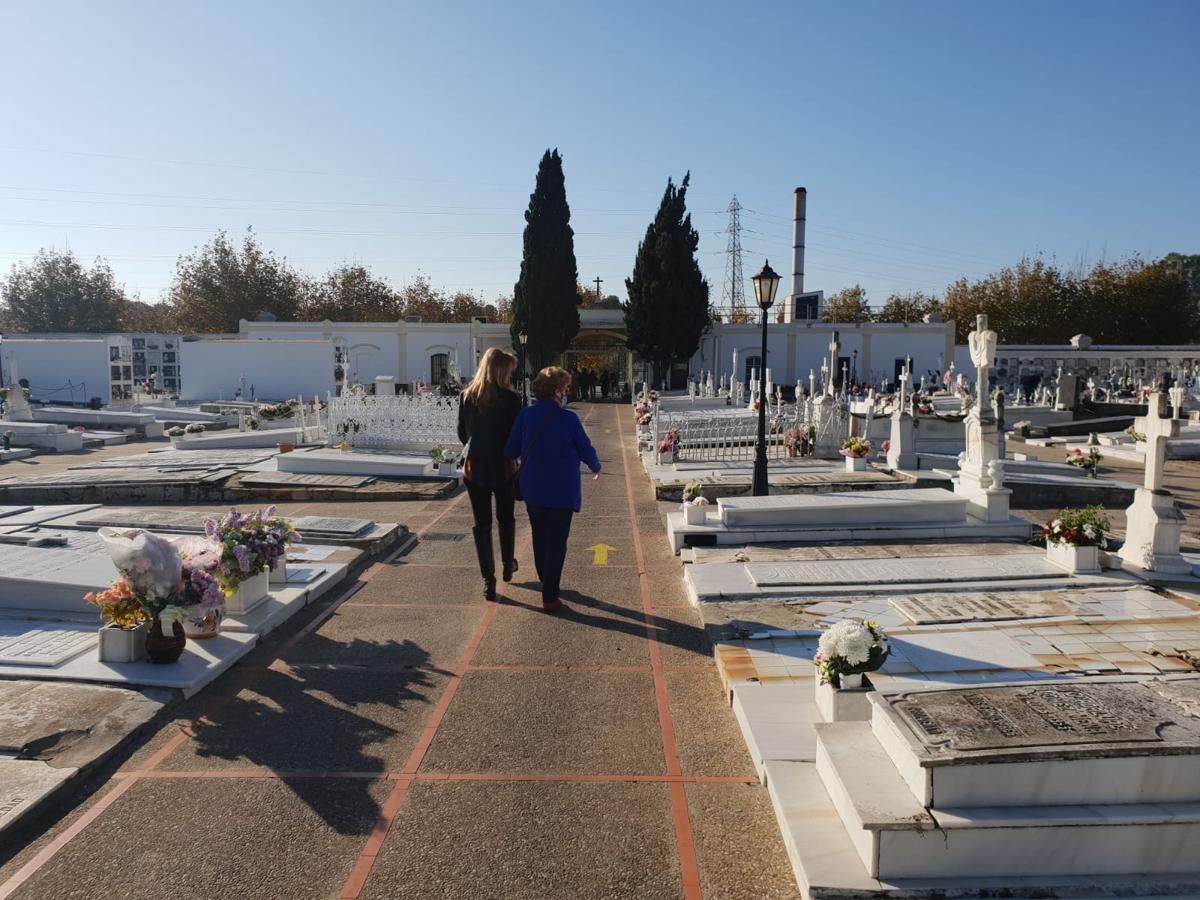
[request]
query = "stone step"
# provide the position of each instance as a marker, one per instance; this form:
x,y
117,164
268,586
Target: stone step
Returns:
x,y
1056,743
913,506
896,837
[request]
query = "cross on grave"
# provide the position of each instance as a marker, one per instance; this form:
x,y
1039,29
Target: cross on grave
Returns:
x,y
1157,427
835,346
1177,394
905,378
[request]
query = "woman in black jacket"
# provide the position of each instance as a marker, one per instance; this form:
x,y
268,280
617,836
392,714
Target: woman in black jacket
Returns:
x,y
488,407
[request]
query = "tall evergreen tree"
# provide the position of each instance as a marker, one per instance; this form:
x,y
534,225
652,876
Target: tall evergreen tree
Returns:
x,y
545,304
667,312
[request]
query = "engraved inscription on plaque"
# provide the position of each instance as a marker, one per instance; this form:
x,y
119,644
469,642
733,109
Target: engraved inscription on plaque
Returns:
x,y
980,607
1042,715
894,571
321,525
42,644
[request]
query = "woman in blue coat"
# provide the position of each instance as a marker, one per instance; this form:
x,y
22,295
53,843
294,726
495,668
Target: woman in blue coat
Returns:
x,y
551,443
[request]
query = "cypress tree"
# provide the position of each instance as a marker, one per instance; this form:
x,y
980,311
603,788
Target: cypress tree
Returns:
x,y
544,300
667,312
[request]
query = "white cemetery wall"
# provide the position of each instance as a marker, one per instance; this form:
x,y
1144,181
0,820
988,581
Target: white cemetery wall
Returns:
x,y
1144,361
277,369
62,371
422,346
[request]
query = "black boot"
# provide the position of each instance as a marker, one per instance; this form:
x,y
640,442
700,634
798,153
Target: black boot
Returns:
x,y
508,542
487,561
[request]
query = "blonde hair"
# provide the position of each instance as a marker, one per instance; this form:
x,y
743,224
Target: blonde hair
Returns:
x,y
550,381
493,376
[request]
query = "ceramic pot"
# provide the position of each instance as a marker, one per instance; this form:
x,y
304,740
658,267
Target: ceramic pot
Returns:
x,y
286,447
856,464
204,624
694,514
847,703
249,594
161,648
279,574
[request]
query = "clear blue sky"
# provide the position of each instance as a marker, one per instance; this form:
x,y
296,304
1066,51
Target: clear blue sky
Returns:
x,y
935,139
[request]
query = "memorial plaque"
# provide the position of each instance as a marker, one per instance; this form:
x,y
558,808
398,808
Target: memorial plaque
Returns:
x,y
981,607
27,643
321,526
1050,715
185,520
900,571
297,479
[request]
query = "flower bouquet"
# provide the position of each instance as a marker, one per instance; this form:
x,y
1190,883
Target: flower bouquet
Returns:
x,y
444,459
155,587
250,547
848,649
856,450
1138,437
669,445
1022,428
885,447
793,441
1088,461
1075,537
194,428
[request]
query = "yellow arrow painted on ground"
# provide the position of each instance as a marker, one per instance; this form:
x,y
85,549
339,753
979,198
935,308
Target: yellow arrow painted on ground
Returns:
x,y
600,551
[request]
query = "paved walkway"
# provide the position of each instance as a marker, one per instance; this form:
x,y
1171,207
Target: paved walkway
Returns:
x,y
408,740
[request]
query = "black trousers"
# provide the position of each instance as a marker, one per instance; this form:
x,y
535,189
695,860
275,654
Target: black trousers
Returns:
x,y
481,504
551,528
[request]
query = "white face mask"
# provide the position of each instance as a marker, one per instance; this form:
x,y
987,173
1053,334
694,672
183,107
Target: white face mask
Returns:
x,y
562,401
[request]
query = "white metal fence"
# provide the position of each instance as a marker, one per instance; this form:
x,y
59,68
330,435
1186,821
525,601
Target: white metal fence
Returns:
x,y
394,422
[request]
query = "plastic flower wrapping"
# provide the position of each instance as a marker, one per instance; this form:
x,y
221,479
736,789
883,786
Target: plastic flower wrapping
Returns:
x,y
855,447
150,564
247,545
849,647
159,578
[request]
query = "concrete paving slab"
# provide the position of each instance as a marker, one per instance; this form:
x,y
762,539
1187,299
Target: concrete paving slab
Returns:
x,y
569,722
581,635
282,840
706,732
583,841
314,718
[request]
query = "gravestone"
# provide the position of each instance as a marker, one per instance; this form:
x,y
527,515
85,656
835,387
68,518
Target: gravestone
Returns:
x,y
25,642
902,571
1046,717
932,609
981,466
1154,524
902,439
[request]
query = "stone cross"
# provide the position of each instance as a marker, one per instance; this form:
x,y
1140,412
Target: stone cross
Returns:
x,y
845,379
812,383
1157,427
905,378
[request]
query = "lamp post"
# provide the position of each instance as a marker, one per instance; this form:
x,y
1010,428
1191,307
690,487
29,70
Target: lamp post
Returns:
x,y
766,283
524,339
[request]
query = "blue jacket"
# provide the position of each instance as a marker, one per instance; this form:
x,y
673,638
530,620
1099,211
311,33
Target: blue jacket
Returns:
x,y
550,473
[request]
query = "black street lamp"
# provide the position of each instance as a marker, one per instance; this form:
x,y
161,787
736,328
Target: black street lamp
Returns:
x,y
524,339
766,283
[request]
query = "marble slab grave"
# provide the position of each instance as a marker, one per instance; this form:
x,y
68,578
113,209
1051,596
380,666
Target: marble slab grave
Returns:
x,y
29,643
901,571
184,459
931,609
1050,716
36,515
144,475
319,526
908,506
184,520
297,479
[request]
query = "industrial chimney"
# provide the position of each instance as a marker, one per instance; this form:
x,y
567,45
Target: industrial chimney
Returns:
x,y
798,212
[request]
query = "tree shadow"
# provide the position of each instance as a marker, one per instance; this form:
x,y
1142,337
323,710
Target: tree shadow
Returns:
x,y
328,719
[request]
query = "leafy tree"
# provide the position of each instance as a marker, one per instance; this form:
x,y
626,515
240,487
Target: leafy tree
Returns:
x,y
667,312
220,284
350,293
147,317
545,302
55,292
908,307
847,305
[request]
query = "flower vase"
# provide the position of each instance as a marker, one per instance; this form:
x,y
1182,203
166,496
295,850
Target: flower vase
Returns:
x,y
856,464
279,574
250,593
123,645
1073,558
446,469
204,623
161,648
694,513
845,703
